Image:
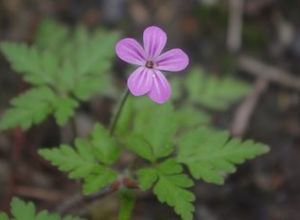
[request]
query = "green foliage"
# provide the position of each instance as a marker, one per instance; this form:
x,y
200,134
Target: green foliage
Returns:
x,y
211,91
21,210
148,128
27,61
34,106
127,202
3,216
210,155
89,160
64,108
153,131
90,56
156,124
30,108
170,186
65,67
70,67
51,35
189,117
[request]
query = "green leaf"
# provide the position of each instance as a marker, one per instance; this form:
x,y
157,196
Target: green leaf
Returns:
x,y
64,109
50,35
86,60
28,61
50,67
98,179
72,161
150,129
30,108
210,155
21,210
66,80
91,55
88,160
73,67
92,49
213,92
170,186
147,177
105,147
85,86
190,117
141,147
155,124
3,216
127,200
35,105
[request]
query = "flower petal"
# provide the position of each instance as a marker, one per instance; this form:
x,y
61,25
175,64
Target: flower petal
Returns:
x,y
161,90
172,60
130,51
140,81
154,41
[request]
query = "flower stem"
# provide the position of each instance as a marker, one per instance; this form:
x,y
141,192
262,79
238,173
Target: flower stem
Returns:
x,y
127,200
118,112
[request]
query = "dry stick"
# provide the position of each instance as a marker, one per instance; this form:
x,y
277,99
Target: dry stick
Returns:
x,y
274,74
39,193
265,73
244,112
234,32
78,198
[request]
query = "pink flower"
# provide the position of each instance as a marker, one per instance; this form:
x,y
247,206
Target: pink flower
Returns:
x,y
148,79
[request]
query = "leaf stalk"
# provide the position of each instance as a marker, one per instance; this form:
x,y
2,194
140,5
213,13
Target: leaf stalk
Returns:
x,y
118,112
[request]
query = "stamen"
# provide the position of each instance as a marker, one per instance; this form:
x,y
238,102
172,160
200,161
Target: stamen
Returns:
x,y
149,64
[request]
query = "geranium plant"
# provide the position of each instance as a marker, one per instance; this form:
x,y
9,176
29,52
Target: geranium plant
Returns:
x,y
65,69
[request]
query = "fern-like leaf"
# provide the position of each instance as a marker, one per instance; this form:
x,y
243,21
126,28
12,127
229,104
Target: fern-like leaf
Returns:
x,y
70,69
3,216
213,92
51,35
91,55
210,155
170,186
64,108
89,160
153,127
30,108
21,210
28,61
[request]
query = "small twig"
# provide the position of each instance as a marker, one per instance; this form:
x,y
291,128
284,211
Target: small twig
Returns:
x,y
39,193
78,198
244,112
274,74
234,33
75,200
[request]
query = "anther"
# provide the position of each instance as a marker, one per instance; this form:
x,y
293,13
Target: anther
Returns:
x,y
150,64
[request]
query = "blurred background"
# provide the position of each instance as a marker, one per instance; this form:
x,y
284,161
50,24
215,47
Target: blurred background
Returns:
x,y
257,41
